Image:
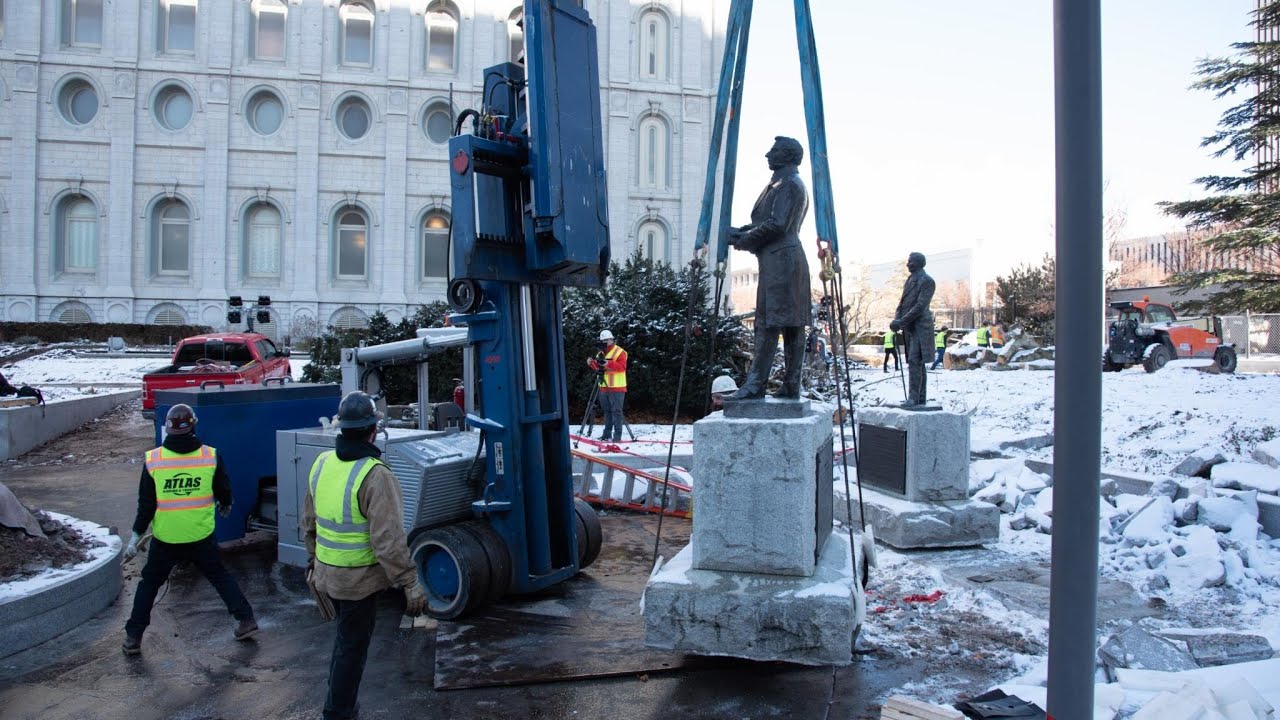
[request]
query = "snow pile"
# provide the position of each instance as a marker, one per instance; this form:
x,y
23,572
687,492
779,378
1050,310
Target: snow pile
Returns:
x,y
64,365
1245,691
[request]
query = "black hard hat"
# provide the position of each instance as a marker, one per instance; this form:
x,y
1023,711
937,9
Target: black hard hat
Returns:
x,y
357,410
180,420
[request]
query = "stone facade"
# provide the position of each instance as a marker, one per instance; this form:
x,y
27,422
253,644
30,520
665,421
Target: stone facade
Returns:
x,y
156,162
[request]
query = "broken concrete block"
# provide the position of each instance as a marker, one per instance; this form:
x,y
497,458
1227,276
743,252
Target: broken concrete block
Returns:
x,y
1227,648
805,620
761,484
1197,464
936,455
1246,476
1167,487
1268,453
1136,648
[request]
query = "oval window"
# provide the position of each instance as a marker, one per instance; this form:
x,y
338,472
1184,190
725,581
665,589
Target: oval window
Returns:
x,y
354,118
265,112
173,107
78,102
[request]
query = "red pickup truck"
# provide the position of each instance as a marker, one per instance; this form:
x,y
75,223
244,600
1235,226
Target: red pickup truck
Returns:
x,y
227,358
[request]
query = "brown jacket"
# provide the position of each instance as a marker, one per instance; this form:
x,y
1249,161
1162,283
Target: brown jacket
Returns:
x,y
380,501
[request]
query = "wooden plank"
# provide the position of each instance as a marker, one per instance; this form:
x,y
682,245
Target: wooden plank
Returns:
x,y
900,707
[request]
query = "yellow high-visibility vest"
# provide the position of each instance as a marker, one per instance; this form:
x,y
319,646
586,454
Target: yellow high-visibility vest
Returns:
x,y
342,531
889,340
184,493
940,339
984,336
614,379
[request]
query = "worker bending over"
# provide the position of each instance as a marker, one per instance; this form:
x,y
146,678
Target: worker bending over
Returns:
x,y
356,547
181,482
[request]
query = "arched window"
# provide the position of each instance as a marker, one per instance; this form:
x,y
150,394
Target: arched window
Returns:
x,y
71,312
351,243
262,241
171,238
515,35
435,245
81,23
357,33
652,240
176,26
655,46
654,169
76,243
267,40
349,318
167,314
442,37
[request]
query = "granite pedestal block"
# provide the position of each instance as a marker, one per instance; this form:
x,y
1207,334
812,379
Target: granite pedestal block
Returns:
x,y
906,525
932,465
763,489
810,621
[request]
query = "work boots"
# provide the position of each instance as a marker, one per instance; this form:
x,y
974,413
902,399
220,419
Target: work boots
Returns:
x,y
132,644
247,629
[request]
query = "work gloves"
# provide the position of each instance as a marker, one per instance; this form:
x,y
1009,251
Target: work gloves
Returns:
x,y
415,600
131,550
224,510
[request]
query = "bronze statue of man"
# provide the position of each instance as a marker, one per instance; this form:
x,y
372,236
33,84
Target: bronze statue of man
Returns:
x,y
915,321
782,297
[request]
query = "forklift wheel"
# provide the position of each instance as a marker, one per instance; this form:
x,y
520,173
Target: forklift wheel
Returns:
x,y
590,536
496,552
1225,357
1157,358
453,569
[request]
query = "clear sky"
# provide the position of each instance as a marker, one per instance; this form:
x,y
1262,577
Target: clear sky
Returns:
x,y
940,117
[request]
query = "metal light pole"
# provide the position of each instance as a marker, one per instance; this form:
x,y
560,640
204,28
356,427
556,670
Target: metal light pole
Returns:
x,y
1077,416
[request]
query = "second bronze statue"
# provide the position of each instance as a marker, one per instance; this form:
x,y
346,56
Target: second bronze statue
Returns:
x,y
782,297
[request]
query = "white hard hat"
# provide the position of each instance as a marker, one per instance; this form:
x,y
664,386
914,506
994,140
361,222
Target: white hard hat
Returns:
x,y
723,384
606,335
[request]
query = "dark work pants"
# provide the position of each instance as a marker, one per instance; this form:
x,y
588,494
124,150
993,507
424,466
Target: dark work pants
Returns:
x,y
350,649
892,353
611,407
160,561
937,360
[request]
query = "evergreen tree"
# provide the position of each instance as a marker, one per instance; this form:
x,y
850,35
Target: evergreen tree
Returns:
x,y
644,304
1027,297
1244,213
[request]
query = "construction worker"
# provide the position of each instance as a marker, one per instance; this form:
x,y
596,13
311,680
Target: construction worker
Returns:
x,y
997,336
722,387
610,364
939,346
354,533
984,334
891,351
182,481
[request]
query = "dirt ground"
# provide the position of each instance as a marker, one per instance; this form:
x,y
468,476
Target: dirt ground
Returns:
x,y
121,436
22,555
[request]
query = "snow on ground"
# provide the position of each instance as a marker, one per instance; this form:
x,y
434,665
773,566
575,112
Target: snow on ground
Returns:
x,y
67,366
105,548
1150,422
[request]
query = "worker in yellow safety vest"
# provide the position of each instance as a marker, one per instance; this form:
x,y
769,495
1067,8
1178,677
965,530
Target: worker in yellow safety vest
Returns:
x,y
354,533
182,482
984,334
610,364
939,346
891,351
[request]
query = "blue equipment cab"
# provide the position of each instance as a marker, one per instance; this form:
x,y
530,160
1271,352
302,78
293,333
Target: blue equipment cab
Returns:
x,y
530,215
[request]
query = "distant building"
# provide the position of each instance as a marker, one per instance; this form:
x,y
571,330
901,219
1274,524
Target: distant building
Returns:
x,y
158,156
742,289
1149,261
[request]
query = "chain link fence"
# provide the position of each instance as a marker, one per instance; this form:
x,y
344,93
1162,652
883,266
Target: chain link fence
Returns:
x,y
1257,335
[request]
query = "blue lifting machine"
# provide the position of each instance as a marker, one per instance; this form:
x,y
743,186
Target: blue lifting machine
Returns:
x,y
529,216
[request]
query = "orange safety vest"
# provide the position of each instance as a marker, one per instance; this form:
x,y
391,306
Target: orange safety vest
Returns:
x,y
615,380
184,493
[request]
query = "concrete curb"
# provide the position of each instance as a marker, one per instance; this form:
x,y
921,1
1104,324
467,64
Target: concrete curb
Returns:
x,y
25,428
27,621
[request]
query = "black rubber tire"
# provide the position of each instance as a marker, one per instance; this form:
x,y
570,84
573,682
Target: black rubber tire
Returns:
x,y
1108,366
469,563
1226,360
496,553
1157,358
590,535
